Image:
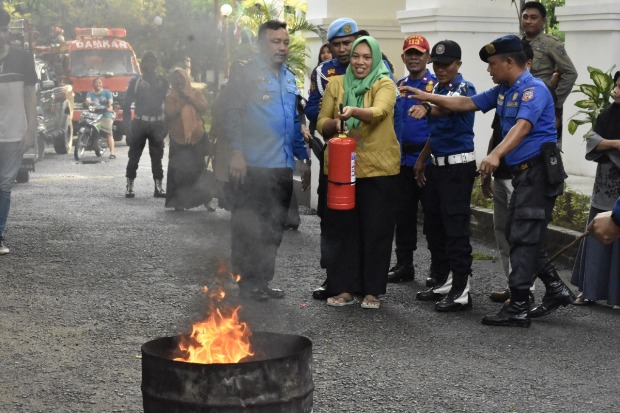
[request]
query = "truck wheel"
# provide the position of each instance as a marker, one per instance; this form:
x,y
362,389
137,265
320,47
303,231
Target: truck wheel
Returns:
x,y
64,142
23,176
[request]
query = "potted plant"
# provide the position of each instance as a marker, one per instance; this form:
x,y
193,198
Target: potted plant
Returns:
x,y
598,98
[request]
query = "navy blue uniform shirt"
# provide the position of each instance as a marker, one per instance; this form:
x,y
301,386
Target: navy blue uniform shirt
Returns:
x,y
412,131
528,98
454,133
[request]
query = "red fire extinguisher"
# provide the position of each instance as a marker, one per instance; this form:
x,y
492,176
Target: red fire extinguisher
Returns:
x,y
341,171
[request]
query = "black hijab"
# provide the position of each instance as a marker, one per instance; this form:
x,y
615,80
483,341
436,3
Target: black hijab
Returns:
x,y
607,123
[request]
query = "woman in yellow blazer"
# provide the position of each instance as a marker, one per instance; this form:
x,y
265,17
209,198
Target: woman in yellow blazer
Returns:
x,y
362,237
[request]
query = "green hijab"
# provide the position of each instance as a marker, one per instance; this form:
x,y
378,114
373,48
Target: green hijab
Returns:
x,y
355,88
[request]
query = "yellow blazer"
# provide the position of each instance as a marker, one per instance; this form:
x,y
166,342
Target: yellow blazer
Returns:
x,y
378,150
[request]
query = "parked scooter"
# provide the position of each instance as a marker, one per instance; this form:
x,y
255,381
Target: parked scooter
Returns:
x,y
89,137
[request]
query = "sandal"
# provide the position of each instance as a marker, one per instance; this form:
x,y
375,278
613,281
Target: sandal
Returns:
x,y
112,156
371,303
581,300
341,300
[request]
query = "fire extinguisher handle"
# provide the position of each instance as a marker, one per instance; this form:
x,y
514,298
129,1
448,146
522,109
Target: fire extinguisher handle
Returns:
x,y
341,107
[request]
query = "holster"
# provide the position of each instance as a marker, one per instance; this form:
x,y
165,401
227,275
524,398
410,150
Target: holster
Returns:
x,y
552,159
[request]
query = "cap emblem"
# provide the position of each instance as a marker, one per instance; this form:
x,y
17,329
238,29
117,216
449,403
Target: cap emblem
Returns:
x,y
347,29
440,49
490,48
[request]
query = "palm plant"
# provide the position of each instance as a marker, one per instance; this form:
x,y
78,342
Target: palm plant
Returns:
x,y
598,98
251,14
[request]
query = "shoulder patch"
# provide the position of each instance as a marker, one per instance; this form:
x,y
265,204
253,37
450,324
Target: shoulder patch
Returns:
x,y
528,94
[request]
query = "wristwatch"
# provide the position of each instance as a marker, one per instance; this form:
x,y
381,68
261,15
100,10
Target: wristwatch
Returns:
x,y
307,161
428,107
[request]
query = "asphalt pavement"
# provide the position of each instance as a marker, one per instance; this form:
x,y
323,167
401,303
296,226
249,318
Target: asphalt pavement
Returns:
x,y
92,276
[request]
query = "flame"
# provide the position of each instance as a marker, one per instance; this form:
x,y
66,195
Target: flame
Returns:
x,y
222,337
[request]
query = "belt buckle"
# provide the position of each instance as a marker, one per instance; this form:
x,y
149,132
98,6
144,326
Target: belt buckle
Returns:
x,y
463,158
523,167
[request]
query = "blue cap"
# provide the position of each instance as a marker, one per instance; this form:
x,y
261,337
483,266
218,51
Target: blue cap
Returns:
x,y
342,27
505,44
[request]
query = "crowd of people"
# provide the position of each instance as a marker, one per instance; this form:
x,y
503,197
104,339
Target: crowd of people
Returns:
x,y
414,146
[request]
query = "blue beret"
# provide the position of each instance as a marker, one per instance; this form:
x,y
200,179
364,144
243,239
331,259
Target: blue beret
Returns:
x,y
342,27
505,44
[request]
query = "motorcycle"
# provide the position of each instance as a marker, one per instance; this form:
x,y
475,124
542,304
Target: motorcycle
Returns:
x,y
89,137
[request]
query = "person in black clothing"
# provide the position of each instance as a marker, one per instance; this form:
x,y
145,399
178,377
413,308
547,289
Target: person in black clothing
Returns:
x,y
148,92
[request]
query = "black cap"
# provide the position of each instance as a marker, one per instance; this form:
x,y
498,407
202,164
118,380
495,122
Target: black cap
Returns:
x,y
505,44
446,52
5,17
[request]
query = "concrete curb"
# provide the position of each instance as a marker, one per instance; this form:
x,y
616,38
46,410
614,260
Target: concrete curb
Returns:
x,y
556,239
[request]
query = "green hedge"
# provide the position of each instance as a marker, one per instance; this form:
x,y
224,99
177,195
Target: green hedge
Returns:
x,y
570,211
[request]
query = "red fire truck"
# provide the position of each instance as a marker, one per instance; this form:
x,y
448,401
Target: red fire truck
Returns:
x,y
96,52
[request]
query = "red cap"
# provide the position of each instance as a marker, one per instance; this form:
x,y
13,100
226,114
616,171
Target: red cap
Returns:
x,y
416,42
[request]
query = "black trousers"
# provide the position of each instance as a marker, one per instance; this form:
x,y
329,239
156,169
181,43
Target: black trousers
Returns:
x,y
529,214
141,132
360,240
259,211
448,199
410,195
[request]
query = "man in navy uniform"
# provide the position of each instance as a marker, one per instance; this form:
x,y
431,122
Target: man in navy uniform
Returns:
x,y
527,116
450,180
412,136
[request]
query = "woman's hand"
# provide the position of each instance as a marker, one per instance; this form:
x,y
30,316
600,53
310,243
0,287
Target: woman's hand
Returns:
x,y
347,112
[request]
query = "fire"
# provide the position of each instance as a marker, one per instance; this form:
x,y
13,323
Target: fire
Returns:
x,y
222,337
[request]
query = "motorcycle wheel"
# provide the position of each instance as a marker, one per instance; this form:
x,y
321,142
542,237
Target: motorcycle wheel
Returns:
x,y
102,145
81,144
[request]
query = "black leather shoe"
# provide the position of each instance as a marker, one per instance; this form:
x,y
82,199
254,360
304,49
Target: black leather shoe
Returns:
x,y
500,296
257,294
435,277
273,292
401,273
515,314
449,305
429,295
557,295
320,293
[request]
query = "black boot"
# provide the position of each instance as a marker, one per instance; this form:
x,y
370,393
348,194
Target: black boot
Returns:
x,y
557,294
438,292
436,275
159,189
403,270
321,293
458,298
513,314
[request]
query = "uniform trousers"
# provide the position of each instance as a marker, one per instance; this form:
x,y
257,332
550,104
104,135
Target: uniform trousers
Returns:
x,y
406,232
529,214
10,161
361,238
448,197
258,217
502,191
141,132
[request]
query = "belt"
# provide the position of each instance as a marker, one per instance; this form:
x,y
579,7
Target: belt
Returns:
x,y
454,159
412,147
530,163
150,118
